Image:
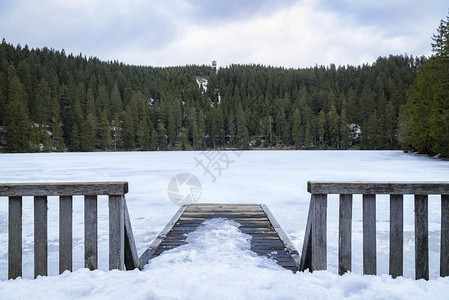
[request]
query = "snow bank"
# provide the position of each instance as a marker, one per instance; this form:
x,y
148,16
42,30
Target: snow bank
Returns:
x,y
217,263
222,266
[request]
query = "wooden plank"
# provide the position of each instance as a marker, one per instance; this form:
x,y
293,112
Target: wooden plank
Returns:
x,y
116,232
319,232
268,240
345,234
285,241
369,234
65,233
14,237
444,254
224,215
234,218
131,257
146,256
421,238
90,232
64,188
40,236
377,187
396,235
306,254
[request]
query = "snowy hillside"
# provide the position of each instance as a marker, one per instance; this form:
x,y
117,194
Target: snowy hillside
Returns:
x,y
217,262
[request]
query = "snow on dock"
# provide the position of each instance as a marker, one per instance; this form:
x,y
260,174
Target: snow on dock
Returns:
x,y
267,237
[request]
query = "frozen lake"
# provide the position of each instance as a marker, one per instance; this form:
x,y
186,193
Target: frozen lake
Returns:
x,y
276,178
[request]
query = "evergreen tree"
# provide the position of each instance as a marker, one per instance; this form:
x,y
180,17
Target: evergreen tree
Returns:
x,y
297,129
405,128
75,140
104,132
171,128
128,136
116,132
153,140
87,134
18,126
242,131
162,138
333,128
143,136
3,97
62,91
440,45
345,132
231,129
429,104
116,101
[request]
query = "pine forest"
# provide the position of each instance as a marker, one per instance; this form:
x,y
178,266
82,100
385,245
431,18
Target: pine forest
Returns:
x,y
53,101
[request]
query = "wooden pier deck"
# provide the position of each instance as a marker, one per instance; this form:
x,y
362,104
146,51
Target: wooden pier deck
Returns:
x,y
268,238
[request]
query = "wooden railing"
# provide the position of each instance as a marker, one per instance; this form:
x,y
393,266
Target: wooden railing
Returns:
x,y
122,249
314,256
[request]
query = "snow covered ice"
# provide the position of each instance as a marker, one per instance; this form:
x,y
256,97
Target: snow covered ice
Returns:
x,y
217,262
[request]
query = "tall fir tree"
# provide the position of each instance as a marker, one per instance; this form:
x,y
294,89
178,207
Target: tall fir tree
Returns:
x,y
19,131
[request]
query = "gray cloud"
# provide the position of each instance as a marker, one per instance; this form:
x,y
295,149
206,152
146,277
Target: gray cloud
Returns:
x,y
178,32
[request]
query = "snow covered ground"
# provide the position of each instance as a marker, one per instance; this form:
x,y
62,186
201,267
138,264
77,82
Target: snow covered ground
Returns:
x,y
217,263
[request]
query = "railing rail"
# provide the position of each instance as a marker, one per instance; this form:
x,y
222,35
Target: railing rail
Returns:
x,y
314,255
122,249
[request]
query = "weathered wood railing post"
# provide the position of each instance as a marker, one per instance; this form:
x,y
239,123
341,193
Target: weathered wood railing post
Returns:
x,y
369,234
314,246
444,252
345,234
15,237
319,232
396,235
65,233
116,232
90,232
122,248
40,236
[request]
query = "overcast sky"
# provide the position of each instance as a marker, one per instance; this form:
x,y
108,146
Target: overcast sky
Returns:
x,y
289,33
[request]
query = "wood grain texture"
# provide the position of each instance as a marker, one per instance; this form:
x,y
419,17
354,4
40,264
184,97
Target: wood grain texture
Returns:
x,y
421,237
131,257
369,234
396,235
40,236
444,254
345,234
373,187
254,221
319,232
306,254
65,233
116,232
90,232
284,241
149,252
14,237
63,188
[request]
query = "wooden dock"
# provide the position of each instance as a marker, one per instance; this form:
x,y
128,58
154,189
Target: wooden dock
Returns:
x,y
268,238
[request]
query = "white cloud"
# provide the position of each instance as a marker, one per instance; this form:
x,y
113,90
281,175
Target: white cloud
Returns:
x,y
180,32
298,36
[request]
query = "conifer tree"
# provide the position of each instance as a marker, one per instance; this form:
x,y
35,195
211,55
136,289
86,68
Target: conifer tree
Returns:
x,y
333,128
18,126
297,129
116,101
104,132
75,140
162,138
128,136
87,134
344,131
